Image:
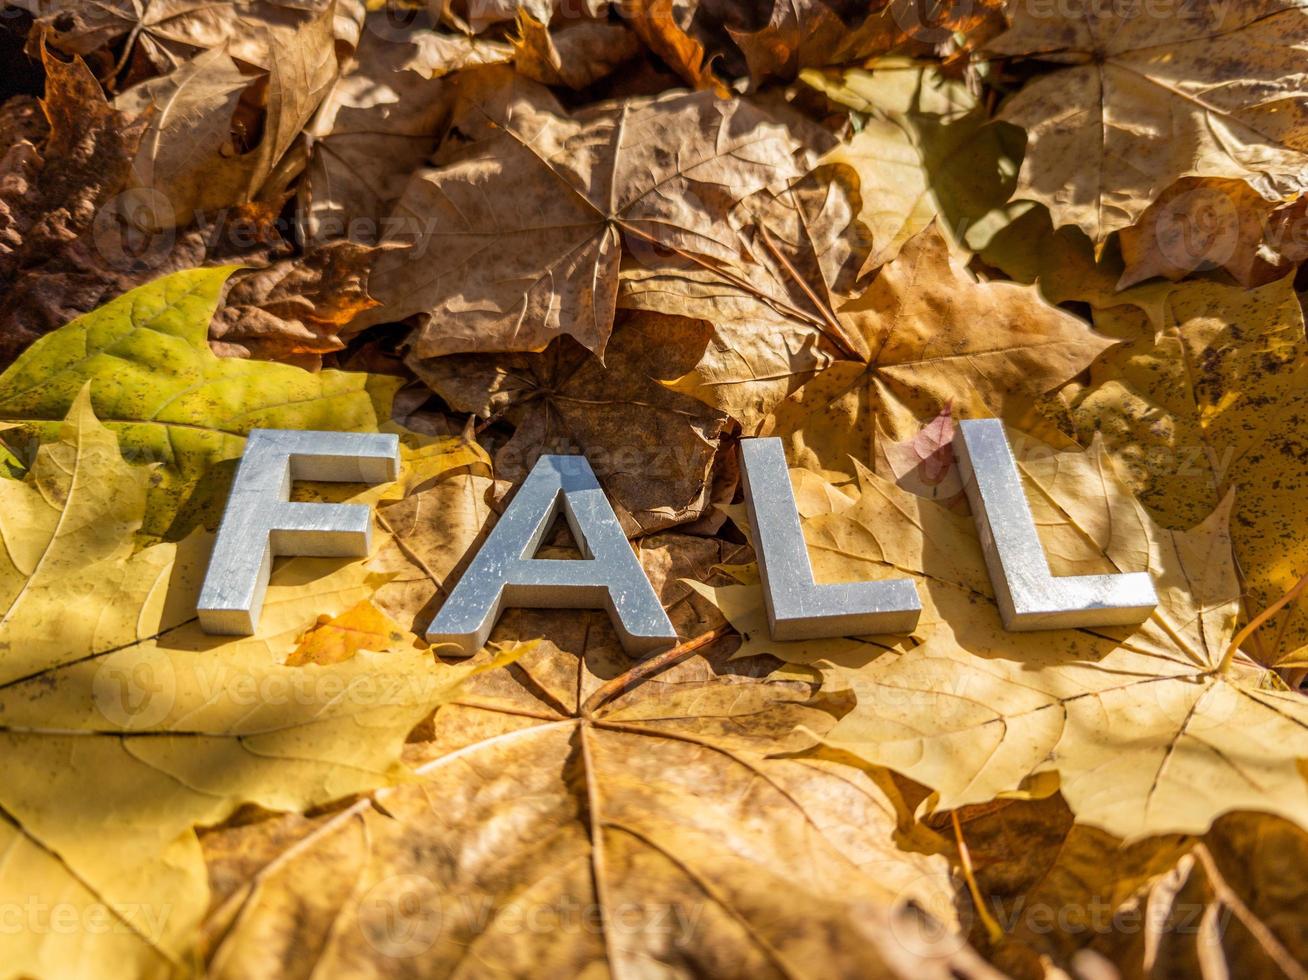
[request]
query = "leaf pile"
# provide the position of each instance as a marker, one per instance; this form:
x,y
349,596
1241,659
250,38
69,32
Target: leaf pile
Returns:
x,y
643,231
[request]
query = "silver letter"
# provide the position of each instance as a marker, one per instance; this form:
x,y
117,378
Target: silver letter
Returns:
x,y
1030,597
504,573
799,608
260,521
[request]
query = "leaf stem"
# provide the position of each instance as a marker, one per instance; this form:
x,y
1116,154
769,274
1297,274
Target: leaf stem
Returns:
x,y
1257,622
832,330
1271,945
648,668
993,930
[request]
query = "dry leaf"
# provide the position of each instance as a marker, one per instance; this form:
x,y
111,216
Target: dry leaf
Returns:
x,y
294,310
665,27
1200,224
774,309
200,153
650,447
563,828
380,123
475,16
518,234
168,33
51,195
1214,401
938,337
335,639
576,55
1152,730
437,54
1142,100
1174,904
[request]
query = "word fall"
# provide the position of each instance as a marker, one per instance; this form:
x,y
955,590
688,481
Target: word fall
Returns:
x,y
261,522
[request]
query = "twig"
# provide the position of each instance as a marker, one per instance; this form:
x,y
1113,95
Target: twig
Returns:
x,y
1257,622
1276,952
993,930
648,668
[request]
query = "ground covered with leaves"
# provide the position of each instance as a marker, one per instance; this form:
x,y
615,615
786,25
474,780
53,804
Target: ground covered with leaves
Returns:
x,y
642,231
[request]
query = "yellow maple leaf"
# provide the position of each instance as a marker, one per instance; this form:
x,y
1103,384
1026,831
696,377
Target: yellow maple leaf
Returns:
x,y
1158,729
123,726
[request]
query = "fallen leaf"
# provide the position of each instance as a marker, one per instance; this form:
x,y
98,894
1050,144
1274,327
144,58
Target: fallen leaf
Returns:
x,y
169,398
923,463
670,558
124,727
294,310
168,33
1212,402
576,55
438,54
197,156
892,187
1063,264
50,196
804,34
774,311
925,146
1138,102
1200,224
597,177
475,17
380,122
665,27
1152,730
938,337
335,639
562,826
651,448
1167,903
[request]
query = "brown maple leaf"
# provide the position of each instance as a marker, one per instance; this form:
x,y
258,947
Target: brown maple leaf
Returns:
x,y
218,134
643,800
519,228
1164,905
1199,224
294,309
666,27
776,311
576,54
52,194
1143,97
651,448
380,123
167,33
937,337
